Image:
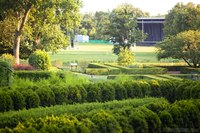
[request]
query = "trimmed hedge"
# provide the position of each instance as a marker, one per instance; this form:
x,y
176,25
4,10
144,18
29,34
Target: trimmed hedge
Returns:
x,y
114,119
99,92
33,75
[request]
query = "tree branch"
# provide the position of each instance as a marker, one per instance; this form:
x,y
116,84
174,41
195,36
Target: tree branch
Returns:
x,y
187,62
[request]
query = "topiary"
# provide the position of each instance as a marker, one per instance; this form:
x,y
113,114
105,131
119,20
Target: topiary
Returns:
x,y
6,73
40,60
125,57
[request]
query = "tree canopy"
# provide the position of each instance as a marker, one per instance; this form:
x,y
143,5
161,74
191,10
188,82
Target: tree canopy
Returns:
x,y
123,26
185,45
35,21
182,18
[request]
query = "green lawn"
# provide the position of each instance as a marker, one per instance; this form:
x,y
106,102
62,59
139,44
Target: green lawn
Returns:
x,y
103,53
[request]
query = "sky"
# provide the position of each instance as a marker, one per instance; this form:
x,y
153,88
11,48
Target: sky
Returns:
x,y
154,7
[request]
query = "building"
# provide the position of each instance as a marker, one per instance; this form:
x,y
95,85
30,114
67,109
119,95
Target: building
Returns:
x,y
153,26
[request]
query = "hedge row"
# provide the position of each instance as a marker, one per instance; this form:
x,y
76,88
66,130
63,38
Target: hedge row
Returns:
x,y
33,75
96,92
153,118
108,69
11,118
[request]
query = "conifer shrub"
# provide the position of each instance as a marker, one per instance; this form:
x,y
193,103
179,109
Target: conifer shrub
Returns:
x,y
31,98
18,100
107,92
138,122
74,95
61,94
93,93
166,120
6,102
6,73
155,88
120,91
40,60
46,95
106,123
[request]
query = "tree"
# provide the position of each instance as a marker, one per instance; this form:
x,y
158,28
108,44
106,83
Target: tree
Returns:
x,y
123,26
51,12
185,45
102,25
182,18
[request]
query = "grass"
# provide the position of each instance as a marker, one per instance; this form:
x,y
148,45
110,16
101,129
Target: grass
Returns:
x,y
85,52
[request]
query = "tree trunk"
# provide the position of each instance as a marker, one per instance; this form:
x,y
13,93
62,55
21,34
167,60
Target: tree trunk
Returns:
x,y
18,33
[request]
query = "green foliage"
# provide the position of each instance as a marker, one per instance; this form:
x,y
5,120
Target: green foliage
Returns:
x,y
175,20
106,123
46,95
93,93
125,57
107,92
6,73
123,26
31,98
40,60
18,100
9,58
182,46
61,94
33,75
6,102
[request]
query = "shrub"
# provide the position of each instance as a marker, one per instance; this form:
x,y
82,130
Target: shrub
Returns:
x,y
31,98
40,60
166,120
46,95
97,71
61,94
18,100
107,92
138,122
6,73
145,88
33,75
106,123
9,58
155,88
23,67
6,102
93,93
125,57
133,89
152,119
120,91
74,95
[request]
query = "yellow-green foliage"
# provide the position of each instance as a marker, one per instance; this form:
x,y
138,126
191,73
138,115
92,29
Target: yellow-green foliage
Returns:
x,y
125,57
40,60
9,58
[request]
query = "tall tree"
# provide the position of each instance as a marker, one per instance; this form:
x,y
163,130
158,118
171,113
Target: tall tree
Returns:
x,y
123,26
182,18
55,11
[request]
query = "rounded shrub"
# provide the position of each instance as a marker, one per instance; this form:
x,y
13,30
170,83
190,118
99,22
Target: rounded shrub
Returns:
x,y
138,122
46,95
133,89
107,92
120,91
74,95
9,58
93,93
40,60
6,73
145,88
32,100
155,88
106,123
166,120
61,94
6,102
18,100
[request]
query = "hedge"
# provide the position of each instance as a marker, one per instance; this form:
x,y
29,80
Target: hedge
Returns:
x,y
33,75
111,119
48,95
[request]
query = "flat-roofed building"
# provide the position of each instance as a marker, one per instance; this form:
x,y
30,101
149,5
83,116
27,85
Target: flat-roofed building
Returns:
x,y
153,26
